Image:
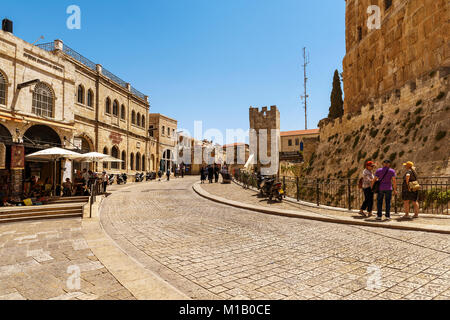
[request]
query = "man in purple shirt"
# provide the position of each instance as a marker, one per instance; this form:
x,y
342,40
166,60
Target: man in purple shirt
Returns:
x,y
387,178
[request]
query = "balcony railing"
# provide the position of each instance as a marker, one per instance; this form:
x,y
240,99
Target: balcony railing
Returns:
x,y
91,65
434,196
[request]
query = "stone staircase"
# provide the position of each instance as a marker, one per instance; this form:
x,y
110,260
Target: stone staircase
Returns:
x,y
56,208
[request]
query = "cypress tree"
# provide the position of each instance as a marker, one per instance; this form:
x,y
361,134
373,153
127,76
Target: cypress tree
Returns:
x,y
337,104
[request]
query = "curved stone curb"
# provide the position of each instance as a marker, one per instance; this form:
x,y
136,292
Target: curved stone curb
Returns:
x,y
320,217
142,283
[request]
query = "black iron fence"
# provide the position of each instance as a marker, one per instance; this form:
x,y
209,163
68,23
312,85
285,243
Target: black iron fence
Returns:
x,y
434,195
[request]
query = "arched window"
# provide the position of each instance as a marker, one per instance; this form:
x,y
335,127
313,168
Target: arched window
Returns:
x,y
43,100
116,108
108,106
2,89
80,94
124,159
105,164
143,121
132,161
123,112
133,117
138,119
90,98
115,153
138,161
143,163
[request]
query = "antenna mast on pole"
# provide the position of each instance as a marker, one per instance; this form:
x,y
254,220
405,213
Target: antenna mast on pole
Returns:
x,y
306,96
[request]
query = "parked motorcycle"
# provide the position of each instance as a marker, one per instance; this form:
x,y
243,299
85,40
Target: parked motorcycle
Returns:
x,y
265,186
148,176
139,177
122,178
277,192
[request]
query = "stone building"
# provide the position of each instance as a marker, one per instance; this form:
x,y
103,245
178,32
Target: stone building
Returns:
x,y
298,146
164,130
195,154
263,123
413,41
236,155
52,96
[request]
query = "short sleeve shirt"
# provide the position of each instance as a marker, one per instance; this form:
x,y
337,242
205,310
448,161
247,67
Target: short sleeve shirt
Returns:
x,y
367,178
386,183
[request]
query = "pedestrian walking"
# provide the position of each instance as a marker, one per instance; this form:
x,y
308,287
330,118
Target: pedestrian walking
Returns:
x,y
160,174
366,186
410,190
210,174
216,173
168,174
182,168
105,179
387,185
203,174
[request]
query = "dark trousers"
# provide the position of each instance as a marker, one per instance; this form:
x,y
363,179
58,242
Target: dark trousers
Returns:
x,y
368,200
381,196
105,185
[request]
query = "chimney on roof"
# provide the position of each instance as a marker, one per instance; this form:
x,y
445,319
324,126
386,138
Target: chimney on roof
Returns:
x,y
7,25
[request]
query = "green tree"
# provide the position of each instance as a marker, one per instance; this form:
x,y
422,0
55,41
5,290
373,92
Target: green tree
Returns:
x,y
337,104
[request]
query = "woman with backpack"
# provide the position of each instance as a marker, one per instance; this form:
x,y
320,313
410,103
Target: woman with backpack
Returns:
x,y
365,183
410,190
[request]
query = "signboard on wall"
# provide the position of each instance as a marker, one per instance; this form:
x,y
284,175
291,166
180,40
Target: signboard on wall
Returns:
x,y
17,157
115,138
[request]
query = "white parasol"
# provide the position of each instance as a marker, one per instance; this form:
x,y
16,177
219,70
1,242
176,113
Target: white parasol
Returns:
x,y
98,157
54,154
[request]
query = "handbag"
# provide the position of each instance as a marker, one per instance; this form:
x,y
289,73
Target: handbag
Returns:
x,y
414,185
376,185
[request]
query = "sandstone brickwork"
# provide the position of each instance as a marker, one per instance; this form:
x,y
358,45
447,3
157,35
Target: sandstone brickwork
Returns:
x,y
413,41
408,126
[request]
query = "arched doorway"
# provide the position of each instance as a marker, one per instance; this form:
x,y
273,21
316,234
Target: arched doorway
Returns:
x,y
36,138
167,160
5,161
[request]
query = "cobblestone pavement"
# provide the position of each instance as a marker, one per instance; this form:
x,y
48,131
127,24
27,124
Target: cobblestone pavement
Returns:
x,y
41,260
248,196
212,251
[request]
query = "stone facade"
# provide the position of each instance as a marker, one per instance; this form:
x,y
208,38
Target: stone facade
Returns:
x,y
396,83
164,130
413,41
301,142
195,153
67,106
263,122
406,127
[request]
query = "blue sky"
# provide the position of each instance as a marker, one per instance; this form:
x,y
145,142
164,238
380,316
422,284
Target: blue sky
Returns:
x,y
204,60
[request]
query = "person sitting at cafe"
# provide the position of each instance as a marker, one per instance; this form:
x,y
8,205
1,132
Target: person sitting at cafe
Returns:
x,y
67,188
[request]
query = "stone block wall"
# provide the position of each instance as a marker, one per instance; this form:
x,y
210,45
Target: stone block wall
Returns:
x,y
413,41
403,126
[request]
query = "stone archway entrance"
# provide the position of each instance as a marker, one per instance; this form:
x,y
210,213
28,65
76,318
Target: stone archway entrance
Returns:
x,y
36,138
5,162
167,161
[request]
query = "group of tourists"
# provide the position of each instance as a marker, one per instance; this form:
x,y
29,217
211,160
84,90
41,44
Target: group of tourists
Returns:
x,y
210,172
383,182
